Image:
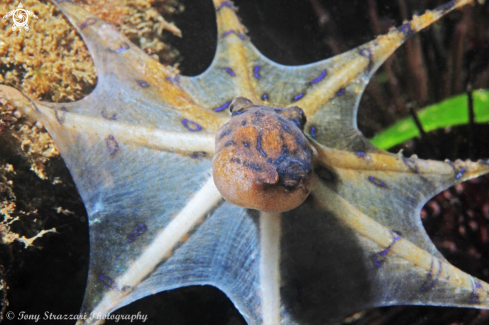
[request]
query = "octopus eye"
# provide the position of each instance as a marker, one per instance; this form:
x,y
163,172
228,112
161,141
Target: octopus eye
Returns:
x,y
264,160
240,103
296,115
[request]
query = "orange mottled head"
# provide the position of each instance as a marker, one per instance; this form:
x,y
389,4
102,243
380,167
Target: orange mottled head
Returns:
x,y
263,160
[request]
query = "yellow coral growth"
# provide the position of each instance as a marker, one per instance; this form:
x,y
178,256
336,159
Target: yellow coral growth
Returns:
x,y
140,21
38,145
50,61
7,236
8,208
6,185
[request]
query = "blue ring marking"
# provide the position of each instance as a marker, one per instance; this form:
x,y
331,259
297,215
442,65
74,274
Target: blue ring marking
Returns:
x,y
376,181
366,52
136,232
430,282
264,96
297,97
198,154
282,156
124,47
89,22
406,30
220,108
112,145
196,127
230,71
60,114
340,92
380,258
142,83
396,238
313,131
224,4
255,71
258,146
172,79
446,6
411,165
361,154
238,112
318,79
252,166
226,33
474,298
458,173
108,282
113,117
223,134
461,172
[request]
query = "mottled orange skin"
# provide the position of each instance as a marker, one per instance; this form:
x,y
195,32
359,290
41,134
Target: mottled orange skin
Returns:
x,y
263,160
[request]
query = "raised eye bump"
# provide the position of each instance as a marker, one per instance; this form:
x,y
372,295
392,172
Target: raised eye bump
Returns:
x,y
272,170
239,103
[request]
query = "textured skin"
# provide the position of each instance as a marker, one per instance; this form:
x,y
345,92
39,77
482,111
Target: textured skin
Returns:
x,y
263,160
157,221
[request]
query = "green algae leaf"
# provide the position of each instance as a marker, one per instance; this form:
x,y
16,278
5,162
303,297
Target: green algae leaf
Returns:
x,y
450,112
